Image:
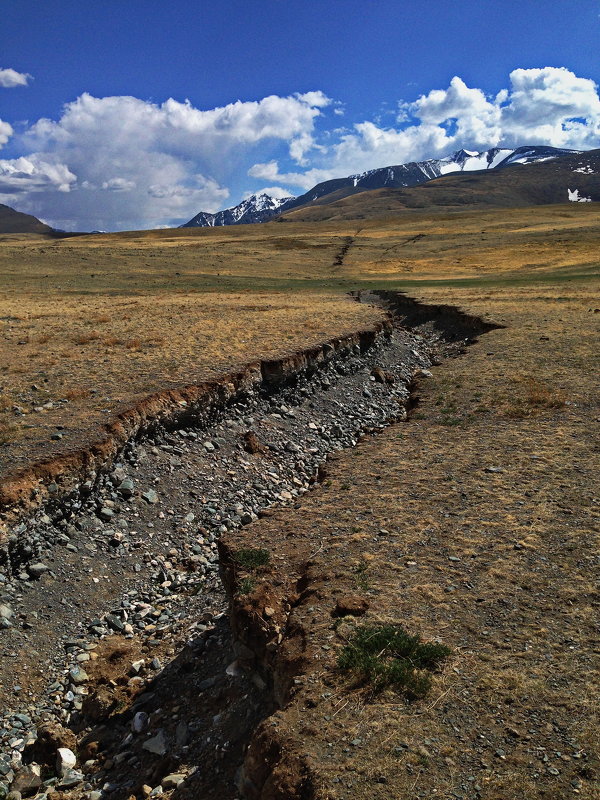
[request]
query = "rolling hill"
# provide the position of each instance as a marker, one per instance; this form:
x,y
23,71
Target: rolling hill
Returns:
x,y
12,221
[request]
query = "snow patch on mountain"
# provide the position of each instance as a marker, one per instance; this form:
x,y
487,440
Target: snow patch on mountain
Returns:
x,y
575,197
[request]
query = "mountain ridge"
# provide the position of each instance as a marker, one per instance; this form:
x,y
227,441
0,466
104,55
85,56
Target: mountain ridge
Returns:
x,y
574,179
256,208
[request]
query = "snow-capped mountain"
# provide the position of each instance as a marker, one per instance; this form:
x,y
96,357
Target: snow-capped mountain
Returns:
x,y
257,208
403,176
261,208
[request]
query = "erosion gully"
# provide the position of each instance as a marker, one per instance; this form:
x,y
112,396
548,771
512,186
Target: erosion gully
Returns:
x,y
114,628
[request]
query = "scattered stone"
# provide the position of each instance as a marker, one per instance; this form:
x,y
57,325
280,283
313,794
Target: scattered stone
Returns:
x,y
173,780
37,570
157,744
65,760
78,675
251,443
150,496
139,722
27,780
126,488
71,778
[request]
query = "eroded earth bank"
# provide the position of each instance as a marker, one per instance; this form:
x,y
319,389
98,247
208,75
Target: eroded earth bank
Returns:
x,y
120,644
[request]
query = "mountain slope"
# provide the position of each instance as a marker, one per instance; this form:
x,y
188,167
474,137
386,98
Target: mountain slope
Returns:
x,y
257,208
574,177
12,221
418,172
261,208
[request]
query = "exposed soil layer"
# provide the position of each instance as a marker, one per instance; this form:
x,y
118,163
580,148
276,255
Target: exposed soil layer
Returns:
x,y
132,553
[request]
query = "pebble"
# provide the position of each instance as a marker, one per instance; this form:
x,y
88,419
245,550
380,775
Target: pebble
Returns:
x,y
156,744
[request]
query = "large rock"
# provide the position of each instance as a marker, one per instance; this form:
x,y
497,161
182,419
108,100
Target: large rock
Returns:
x,y
27,780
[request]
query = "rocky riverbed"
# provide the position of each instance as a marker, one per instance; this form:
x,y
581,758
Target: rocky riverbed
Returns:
x,y
125,573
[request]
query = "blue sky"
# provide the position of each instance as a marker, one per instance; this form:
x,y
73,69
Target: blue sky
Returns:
x,y
140,114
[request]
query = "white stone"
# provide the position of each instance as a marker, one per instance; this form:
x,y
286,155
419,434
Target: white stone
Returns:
x,y
65,760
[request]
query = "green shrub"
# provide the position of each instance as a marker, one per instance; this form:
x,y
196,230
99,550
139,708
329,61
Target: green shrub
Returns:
x,y
386,656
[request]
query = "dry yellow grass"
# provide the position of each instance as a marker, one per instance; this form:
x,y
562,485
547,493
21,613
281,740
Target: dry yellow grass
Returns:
x,y
101,321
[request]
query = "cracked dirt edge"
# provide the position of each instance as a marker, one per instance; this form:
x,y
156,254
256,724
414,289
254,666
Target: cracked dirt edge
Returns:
x,y
53,482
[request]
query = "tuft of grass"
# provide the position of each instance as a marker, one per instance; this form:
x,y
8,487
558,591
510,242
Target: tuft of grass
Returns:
x,y
387,656
361,576
86,338
246,586
252,557
537,396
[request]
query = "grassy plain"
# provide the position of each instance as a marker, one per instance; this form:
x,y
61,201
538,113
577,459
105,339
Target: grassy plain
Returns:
x,y
488,496
97,322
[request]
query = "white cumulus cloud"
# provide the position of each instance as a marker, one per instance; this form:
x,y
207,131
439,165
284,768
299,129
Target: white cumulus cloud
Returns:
x,y
9,78
273,191
32,174
547,106
133,163
118,185
6,132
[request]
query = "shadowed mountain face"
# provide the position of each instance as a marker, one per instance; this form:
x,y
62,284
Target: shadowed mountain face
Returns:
x,y
12,221
262,207
574,178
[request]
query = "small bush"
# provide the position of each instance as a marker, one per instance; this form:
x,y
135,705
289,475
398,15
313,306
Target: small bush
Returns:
x,y
361,576
76,394
386,656
8,432
252,557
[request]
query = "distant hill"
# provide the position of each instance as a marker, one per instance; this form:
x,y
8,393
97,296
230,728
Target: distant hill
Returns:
x,y
12,221
263,207
574,177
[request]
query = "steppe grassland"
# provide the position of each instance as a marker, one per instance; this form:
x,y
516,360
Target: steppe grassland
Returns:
x,y
101,321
